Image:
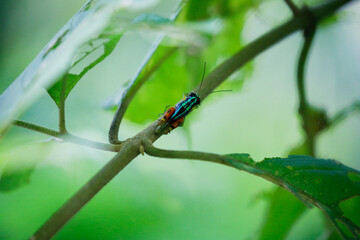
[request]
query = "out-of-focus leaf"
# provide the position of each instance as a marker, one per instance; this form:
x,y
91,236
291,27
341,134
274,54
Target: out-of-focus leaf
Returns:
x,y
231,16
333,19
17,166
143,74
351,209
182,71
72,79
159,90
278,215
322,182
57,57
198,10
144,22
284,209
11,180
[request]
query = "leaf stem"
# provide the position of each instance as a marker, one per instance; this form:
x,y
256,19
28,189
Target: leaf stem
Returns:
x,y
209,157
62,127
130,93
304,107
224,160
67,137
344,113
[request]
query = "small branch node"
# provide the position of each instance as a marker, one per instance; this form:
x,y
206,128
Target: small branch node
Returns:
x,y
142,150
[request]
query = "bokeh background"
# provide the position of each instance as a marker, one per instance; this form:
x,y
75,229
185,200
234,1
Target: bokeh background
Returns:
x,y
175,199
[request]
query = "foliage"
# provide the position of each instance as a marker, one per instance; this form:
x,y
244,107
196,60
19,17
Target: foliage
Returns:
x,y
322,182
204,31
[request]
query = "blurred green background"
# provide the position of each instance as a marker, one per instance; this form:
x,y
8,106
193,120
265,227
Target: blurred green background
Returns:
x,y
176,199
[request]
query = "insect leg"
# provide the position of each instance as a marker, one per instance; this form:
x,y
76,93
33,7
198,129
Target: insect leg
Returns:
x,y
166,115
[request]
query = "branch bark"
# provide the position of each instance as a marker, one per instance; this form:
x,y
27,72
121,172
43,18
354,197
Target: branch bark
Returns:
x,y
131,147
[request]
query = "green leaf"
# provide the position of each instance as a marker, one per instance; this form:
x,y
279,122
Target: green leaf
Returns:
x,y
321,182
183,70
109,42
284,209
351,209
17,165
55,60
159,89
72,79
11,180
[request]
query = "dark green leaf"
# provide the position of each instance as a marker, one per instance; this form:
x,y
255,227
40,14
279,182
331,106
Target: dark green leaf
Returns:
x,y
17,166
322,182
283,211
11,180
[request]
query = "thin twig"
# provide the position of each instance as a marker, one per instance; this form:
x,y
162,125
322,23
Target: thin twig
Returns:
x,y
62,126
129,94
344,113
304,107
228,161
66,137
294,9
157,152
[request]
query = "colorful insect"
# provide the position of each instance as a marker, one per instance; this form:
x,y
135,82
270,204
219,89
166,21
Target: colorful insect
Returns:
x,y
175,116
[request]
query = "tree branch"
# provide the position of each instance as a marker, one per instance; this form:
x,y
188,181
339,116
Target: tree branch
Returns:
x,y
67,137
131,147
129,94
88,191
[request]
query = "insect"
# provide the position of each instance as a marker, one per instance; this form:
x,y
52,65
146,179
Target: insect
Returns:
x,y
175,116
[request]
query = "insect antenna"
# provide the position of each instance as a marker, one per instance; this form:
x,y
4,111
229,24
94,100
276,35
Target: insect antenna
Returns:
x,y
202,80
202,76
220,91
